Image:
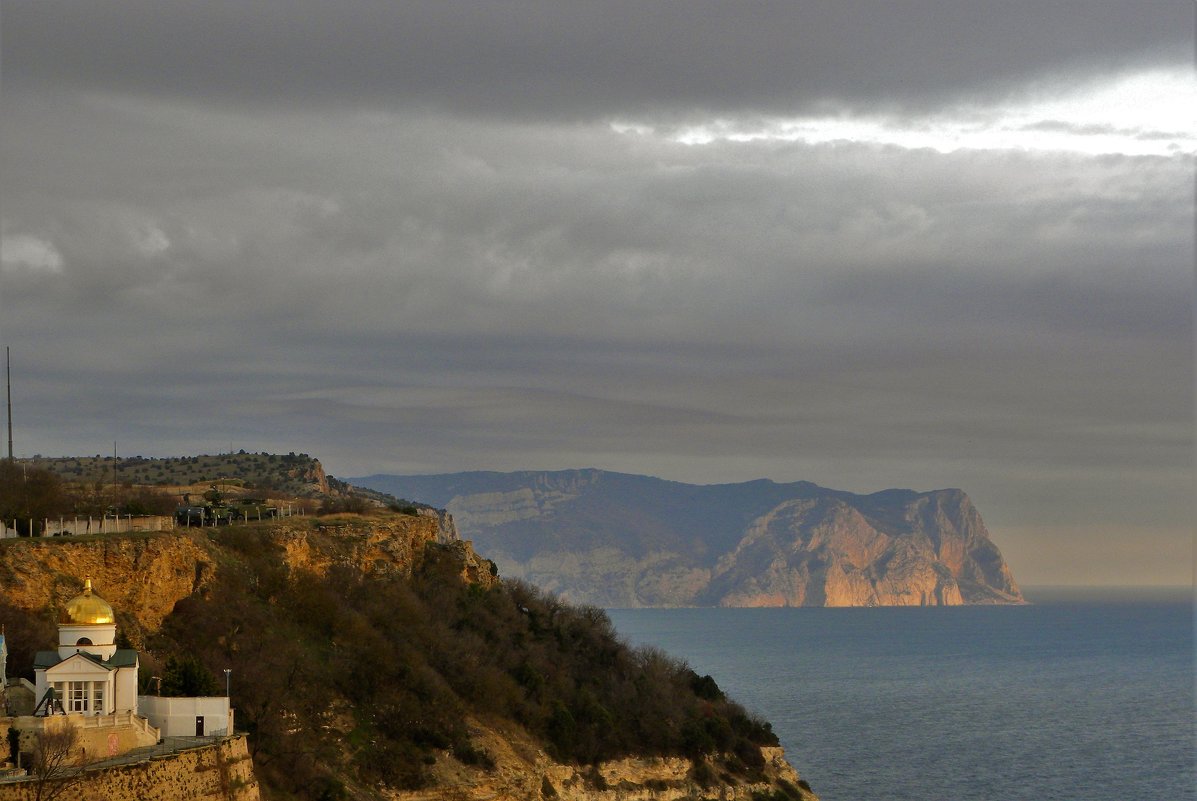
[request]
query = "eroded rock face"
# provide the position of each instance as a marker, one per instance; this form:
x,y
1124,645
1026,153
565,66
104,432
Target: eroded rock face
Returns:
x,y
617,540
524,772
143,577
823,552
933,550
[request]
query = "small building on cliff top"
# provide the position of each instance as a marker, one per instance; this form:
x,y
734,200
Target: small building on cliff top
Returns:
x,y
88,684
88,673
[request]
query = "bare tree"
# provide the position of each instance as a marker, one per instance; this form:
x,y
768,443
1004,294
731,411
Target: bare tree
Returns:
x,y
57,762
29,495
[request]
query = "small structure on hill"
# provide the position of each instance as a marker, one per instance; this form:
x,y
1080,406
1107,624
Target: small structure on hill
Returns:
x,y
88,684
86,693
88,673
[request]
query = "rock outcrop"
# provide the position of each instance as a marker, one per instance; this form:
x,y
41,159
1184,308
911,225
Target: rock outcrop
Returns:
x,y
826,553
616,540
144,576
523,771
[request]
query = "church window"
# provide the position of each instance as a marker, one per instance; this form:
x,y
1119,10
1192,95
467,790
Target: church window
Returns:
x,y
78,697
97,698
83,641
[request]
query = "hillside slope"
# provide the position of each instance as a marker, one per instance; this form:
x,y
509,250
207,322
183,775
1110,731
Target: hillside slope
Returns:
x,y
289,474
371,657
621,540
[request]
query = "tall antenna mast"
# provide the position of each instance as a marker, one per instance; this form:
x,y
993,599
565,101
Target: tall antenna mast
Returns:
x,y
8,387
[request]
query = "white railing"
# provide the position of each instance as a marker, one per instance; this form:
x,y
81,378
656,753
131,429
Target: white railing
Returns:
x,y
115,719
82,526
112,524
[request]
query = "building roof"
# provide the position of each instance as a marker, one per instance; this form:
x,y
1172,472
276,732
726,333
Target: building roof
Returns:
x,y
124,657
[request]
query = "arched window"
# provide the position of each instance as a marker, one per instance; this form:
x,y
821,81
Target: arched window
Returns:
x,y
83,641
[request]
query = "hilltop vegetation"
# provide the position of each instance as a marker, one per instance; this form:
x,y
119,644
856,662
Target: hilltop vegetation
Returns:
x,y
33,490
291,474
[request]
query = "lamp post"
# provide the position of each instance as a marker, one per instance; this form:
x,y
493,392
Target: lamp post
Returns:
x,y
159,680
228,704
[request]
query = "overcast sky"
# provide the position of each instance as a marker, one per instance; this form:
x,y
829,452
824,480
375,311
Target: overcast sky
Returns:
x,y
924,243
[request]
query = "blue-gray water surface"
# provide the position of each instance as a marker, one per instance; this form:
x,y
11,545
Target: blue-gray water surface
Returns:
x,y
1071,699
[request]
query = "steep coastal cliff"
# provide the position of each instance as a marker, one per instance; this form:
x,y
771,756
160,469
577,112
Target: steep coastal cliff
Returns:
x,y
620,540
378,657
826,552
145,575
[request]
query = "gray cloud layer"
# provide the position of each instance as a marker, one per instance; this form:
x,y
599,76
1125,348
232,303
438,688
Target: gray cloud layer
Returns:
x,y
553,59
402,237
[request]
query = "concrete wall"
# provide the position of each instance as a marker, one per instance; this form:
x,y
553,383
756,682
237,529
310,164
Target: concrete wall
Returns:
x,y
220,772
176,716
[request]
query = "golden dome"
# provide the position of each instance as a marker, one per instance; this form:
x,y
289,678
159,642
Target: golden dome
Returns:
x,y
88,608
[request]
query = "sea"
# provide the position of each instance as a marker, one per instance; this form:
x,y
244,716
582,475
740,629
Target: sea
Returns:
x,y
1081,695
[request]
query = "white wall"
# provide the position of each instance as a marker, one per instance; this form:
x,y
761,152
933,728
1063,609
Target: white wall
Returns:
x,y
102,636
126,690
176,716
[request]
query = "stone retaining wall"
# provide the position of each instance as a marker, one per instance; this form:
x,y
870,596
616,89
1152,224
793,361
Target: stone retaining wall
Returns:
x,y
100,736
220,772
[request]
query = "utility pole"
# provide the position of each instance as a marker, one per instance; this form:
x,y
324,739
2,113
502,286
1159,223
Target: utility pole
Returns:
x,y
8,385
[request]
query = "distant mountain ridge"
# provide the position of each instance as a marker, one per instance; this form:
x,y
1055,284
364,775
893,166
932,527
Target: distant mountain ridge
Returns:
x,y
622,540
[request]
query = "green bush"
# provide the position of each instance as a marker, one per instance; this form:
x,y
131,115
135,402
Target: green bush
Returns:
x,y
184,675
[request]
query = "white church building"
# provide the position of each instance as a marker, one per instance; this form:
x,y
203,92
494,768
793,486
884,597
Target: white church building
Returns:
x,y
91,684
89,674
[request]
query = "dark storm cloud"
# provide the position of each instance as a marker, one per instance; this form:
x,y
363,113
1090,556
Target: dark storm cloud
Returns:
x,y
582,60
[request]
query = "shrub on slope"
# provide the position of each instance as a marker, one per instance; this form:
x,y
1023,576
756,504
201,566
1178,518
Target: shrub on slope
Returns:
x,y
364,679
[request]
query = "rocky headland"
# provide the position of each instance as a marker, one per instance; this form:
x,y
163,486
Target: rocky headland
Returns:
x,y
621,540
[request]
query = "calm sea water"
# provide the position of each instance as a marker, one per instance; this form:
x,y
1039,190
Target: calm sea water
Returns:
x,y
1070,699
